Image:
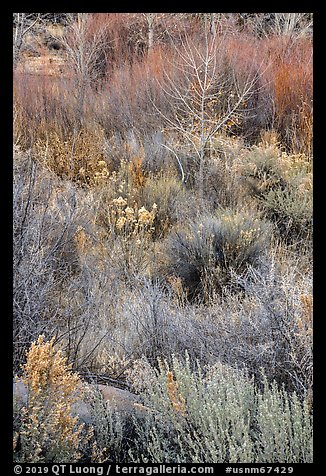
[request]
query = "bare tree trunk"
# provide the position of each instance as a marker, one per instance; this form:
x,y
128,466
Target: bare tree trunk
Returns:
x,y
150,21
150,33
213,24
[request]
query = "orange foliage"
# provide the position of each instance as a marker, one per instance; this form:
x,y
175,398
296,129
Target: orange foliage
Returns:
x,y
176,399
137,172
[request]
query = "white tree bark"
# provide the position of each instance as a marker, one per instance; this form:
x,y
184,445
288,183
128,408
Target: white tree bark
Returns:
x,y
200,113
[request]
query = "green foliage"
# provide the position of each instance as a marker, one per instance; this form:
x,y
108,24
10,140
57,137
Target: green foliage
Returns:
x,y
262,171
109,428
284,426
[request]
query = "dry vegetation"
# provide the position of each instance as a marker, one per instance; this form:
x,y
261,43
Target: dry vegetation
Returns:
x,y
163,234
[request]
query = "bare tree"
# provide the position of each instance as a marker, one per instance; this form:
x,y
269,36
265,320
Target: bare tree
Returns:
x,y
23,23
208,97
84,45
292,24
157,24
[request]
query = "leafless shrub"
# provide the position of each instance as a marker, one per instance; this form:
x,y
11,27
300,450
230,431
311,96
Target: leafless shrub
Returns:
x,y
84,49
22,24
52,284
285,303
293,25
38,259
290,25
271,329
207,98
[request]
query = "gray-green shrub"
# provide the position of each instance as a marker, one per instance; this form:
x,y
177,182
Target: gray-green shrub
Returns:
x,y
282,185
221,416
205,253
171,197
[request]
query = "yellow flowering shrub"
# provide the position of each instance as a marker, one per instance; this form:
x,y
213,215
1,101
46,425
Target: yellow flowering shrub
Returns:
x,y
48,431
130,221
127,231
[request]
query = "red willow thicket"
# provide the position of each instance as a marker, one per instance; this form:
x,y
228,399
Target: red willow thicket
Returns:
x,y
132,73
133,89
291,91
42,104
